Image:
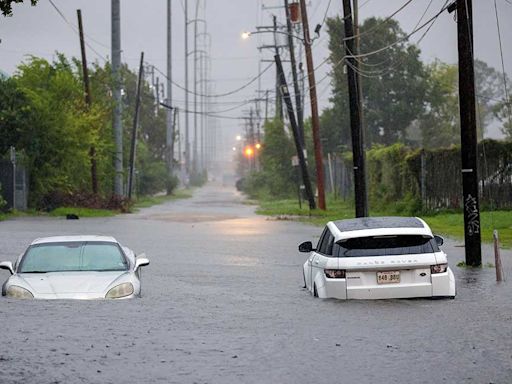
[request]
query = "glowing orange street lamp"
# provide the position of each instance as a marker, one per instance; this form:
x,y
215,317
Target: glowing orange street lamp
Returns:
x,y
248,152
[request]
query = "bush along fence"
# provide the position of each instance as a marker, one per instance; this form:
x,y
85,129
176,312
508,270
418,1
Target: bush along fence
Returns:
x,y
425,180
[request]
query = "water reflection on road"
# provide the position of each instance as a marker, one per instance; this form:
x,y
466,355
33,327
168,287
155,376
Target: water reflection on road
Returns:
x,y
223,303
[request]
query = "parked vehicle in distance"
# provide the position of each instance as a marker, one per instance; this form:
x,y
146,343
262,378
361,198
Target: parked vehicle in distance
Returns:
x,y
74,267
377,258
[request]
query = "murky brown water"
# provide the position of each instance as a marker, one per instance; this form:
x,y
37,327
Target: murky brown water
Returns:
x,y
223,304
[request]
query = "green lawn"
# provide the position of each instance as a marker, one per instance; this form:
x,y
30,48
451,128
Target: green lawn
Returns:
x,y
143,202
82,212
448,224
148,201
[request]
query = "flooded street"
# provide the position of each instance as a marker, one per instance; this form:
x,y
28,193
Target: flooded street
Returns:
x,y
223,303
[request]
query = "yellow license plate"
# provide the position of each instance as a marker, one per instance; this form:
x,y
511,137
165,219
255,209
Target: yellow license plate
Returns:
x,y
388,277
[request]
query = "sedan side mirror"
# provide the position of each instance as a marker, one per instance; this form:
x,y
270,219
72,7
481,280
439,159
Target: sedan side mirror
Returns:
x,y
306,246
439,240
141,261
7,265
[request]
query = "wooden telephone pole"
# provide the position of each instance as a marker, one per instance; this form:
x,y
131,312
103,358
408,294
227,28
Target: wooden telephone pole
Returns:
x,y
88,101
355,115
468,134
283,88
291,48
131,176
315,119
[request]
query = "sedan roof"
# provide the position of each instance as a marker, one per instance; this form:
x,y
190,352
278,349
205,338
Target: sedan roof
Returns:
x,y
65,239
378,226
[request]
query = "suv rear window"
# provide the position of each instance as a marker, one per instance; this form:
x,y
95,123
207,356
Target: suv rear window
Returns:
x,y
386,246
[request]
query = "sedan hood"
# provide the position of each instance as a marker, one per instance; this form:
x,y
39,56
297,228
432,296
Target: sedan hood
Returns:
x,y
58,283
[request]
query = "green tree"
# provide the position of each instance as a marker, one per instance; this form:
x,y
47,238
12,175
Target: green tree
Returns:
x,y
277,177
439,124
6,6
503,112
16,113
151,173
57,145
393,83
44,115
489,93
151,134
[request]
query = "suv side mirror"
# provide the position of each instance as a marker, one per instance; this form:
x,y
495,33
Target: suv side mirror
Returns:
x,y
439,240
306,246
7,265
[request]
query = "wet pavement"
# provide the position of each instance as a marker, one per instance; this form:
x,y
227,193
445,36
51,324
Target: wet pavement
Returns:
x,y
222,303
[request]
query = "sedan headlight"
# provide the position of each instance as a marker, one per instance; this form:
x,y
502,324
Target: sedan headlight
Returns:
x,y
18,292
121,290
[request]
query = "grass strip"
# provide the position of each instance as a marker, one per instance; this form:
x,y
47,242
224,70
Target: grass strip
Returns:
x,y
449,224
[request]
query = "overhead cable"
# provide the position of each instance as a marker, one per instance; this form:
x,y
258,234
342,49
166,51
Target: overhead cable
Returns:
x,y
380,24
401,39
219,94
507,96
75,29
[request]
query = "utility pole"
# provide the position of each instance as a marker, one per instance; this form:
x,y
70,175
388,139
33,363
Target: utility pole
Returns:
x,y
355,116
266,105
279,100
187,142
178,132
194,150
298,103
357,42
134,130
157,94
468,134
314,108
116,79
88,102
283,89
203,65
169,137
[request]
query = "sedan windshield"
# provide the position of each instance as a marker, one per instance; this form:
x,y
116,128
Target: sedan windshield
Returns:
x,y
386,246
73,256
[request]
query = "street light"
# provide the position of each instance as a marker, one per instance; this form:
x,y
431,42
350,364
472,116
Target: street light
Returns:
x,y
247,34
249,152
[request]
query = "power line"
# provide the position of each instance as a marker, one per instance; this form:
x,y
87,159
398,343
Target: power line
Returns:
x,y
383,72
381,23
74,28
401,39
503,66
326,11
220,94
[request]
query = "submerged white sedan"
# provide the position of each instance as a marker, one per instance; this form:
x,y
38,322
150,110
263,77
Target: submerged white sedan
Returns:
x,y
74,267
377,258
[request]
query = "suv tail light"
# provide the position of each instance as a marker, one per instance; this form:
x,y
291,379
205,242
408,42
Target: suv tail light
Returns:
x,y
438,268
335,273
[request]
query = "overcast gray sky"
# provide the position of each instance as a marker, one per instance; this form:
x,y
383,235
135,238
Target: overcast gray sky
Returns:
x,y
41,31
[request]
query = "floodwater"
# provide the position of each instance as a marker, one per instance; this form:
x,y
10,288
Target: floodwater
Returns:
x,y
222,303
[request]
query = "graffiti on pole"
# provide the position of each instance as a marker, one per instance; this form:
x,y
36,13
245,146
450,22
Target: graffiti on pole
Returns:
x,y
471,208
